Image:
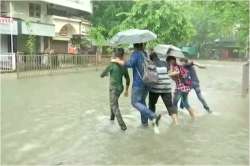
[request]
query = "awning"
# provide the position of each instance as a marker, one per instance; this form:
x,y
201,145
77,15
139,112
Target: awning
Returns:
x,y
37,29
8,26
62,38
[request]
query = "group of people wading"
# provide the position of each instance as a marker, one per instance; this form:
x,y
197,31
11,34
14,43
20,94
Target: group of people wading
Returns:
x,y
181,71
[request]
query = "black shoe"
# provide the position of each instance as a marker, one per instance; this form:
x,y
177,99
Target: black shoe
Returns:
x,y
181,105
144,124
208,110
112,117
123,127
157,119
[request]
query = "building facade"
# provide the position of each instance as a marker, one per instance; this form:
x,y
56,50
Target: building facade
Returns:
x,y
48,24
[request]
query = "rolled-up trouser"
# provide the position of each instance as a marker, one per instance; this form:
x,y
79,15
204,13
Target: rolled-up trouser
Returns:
x,y
184,99
139,95
114,95
167,100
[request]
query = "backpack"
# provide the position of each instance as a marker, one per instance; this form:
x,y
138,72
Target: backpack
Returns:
x,y
150,73
185,79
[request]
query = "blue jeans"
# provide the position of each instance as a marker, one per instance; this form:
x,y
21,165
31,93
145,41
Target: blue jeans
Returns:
x,y
183,96
197,90
139,95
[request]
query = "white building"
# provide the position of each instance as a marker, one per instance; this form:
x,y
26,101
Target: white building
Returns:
x,y
52,23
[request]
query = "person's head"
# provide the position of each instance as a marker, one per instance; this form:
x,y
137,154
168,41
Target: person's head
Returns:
x,y
183,61
139,46
119,52
153,56
171,60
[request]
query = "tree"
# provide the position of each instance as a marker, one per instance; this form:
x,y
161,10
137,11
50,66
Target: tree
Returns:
x,y
29,41
218,19
105,17
161,17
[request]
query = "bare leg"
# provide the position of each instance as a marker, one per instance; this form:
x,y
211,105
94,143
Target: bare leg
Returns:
x,y
192,113
175,119
187,106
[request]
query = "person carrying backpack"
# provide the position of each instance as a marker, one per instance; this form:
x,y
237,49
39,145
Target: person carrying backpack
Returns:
x,y
189,65
139,87
183,84
162,88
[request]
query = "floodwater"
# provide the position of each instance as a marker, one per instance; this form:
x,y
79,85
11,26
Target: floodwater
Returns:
x,y
64,120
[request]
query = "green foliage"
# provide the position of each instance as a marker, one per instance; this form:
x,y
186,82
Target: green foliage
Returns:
x,y
30,44
218,19
29,41
96,35
181,23
105,16
161,17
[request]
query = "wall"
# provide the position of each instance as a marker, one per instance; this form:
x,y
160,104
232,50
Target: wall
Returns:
x,y
21,10
83,5
4,43
61,21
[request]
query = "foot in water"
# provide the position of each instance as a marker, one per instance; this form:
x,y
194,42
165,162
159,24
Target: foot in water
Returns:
x,y
123,127
156,124
208,109
215,113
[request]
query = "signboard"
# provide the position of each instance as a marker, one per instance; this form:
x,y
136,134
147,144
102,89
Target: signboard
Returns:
x,y
38,29
8,26
6,20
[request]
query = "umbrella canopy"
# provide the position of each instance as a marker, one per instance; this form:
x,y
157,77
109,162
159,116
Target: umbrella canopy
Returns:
x,y
162,49
132,36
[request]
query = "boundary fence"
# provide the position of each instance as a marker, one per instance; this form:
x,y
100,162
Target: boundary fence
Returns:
x,y
7,62
38,65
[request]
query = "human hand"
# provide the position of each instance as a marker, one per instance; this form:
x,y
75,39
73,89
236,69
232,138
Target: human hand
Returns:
x,y
119,61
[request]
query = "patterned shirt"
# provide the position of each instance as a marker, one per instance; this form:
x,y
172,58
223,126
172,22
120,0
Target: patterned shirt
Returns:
x,y
180,85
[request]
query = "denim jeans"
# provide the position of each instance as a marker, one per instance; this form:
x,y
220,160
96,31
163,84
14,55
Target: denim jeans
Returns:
x,y
139,95
183,96
197,90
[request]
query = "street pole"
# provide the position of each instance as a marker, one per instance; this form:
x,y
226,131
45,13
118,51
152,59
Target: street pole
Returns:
x,y
13,58
11,28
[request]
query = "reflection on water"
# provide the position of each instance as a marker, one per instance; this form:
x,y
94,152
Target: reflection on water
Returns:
x,y
64,120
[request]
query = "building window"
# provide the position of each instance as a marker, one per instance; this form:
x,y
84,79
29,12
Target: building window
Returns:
x,y
4,8
34,10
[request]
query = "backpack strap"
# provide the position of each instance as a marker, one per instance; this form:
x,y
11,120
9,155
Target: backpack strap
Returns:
x,y
138,73
137,70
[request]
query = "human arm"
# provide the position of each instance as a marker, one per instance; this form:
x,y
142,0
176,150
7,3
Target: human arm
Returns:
x,y
126,75
174,71
132,60
130,63
199,65
105,71
119,61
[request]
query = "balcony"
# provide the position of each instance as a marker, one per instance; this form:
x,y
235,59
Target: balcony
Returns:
x,y
81,5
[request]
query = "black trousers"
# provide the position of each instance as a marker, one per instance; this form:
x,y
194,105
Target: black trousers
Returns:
x,y
167,100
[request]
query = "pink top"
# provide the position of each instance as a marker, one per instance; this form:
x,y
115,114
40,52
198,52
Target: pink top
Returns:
x,y
180,85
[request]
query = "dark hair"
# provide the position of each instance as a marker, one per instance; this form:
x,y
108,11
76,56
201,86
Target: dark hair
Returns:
x,y
152,56
184,60
169,58
119,52
138,45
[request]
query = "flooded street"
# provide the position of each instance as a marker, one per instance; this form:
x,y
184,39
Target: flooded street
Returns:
x,y
64,120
